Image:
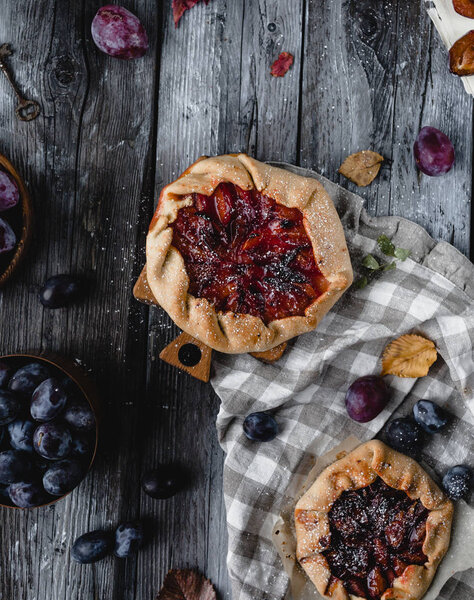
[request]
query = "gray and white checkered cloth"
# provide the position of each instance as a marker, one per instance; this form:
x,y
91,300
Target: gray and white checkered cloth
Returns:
x,y
431,293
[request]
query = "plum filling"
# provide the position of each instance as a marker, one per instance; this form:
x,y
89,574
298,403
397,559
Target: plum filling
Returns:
x,y
247,254
376,532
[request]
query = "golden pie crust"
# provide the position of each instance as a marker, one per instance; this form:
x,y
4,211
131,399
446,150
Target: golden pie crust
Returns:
x,y
227,331
359,469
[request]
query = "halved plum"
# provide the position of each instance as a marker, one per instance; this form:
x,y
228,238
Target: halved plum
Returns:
x,y
247,254
464,8
461,55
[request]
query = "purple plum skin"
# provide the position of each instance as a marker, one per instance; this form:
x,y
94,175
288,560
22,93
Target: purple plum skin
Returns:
x,y
7,237
119,33
366,398
434,152
27,495
9,194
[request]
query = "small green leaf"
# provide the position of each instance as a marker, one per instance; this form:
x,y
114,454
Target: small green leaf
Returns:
x,y
386,245
371,263
402,254
361,282
389,266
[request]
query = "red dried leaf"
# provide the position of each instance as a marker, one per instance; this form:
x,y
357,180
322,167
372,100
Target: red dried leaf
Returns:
x,y
181,6
282,64
185,584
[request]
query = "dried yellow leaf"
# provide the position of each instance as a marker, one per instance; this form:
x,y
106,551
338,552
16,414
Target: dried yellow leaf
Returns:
x,y
409,356
362,167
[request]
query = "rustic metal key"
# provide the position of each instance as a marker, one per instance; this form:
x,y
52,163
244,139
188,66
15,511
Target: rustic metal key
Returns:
x,y
27,110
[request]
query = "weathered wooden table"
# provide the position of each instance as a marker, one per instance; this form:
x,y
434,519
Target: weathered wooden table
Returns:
x,y
111,133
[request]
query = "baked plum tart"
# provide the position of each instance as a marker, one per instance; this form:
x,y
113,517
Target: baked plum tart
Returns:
x,y
243,255
373,525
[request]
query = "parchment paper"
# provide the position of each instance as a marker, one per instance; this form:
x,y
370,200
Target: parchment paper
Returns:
x,y
459,557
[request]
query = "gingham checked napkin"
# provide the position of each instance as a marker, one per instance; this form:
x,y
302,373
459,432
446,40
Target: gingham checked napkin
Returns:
x,y
431,293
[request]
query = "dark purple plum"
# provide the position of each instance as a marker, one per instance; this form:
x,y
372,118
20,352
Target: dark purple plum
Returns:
x,y
366,398
434,152
48,400
129,538
21,434
405,436
430,416
163,482
260,427
27,495
78,414
52,440
15,466
5,374
28,378
10,407
9,193
60,291
82,445
119,33
62,477
92,546
457,482
7,237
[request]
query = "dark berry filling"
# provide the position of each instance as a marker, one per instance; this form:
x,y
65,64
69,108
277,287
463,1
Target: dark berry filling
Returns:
x,y
376,532
247,254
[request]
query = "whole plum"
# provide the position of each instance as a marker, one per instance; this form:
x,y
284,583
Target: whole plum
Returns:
x,y
7,237
52,440
434,152
9,194
62,477
119,33
78,414
27,495
48,400
27,379
366,398
21,434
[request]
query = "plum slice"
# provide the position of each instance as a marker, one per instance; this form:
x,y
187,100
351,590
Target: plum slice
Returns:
x,y
7,237
461,55
464,8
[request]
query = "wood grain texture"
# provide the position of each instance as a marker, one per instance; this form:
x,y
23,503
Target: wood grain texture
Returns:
x,y
110,135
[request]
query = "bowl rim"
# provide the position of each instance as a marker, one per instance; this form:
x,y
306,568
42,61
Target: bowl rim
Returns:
x,y
89,392
27,218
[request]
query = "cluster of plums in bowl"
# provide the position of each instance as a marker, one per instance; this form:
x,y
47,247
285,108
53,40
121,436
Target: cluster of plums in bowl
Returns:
x,y
48,432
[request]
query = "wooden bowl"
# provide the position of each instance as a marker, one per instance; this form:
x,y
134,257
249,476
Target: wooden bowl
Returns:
x,y
20,219
60,366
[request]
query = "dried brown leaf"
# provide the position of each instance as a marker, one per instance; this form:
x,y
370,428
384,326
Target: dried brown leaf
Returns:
x,y
362,167
409,356
186,584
